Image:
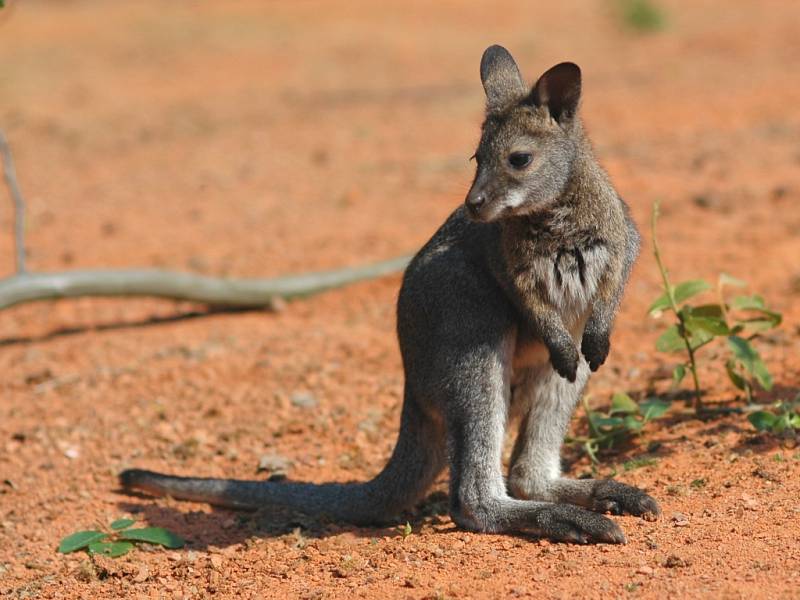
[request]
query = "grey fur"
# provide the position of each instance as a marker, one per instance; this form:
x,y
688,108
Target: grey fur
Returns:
x,y
502,314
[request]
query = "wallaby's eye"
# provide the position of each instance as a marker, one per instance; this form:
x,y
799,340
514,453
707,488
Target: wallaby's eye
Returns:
x,y
520,160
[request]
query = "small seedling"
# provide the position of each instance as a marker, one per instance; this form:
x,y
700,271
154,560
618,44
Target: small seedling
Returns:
x,y
739,321
698,483
785,416
119,539
406,530
638,463
623,420
641,15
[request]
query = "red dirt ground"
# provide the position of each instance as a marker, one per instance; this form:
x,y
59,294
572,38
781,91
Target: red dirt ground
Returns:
x,y
255,139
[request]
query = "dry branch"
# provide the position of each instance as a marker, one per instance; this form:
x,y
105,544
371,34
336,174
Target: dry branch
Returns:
x,y
218,291
10,175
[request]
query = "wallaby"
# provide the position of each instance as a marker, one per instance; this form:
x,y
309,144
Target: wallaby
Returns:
x,y
491,315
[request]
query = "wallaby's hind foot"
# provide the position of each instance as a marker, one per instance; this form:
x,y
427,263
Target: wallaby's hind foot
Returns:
x,y
557,522
599,495
570,523
620,499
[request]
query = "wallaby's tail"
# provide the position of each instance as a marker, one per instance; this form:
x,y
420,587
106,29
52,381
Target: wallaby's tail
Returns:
x,y
417,459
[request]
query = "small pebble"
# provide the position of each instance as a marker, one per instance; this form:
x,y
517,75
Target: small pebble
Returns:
x,y
679,520
274,463
304,400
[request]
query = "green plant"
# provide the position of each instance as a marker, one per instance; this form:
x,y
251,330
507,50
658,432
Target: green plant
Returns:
x,y
624,419
785,416
406,530
118,539
638,463
642,15
739,320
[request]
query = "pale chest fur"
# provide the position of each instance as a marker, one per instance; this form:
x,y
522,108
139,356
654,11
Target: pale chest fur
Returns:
x,y
570,279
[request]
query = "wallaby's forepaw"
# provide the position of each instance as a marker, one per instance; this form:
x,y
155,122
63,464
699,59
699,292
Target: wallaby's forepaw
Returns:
x,y
595,347
618,499
564,358
569,523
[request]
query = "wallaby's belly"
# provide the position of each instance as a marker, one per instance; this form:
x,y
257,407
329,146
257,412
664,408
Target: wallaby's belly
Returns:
x,y
529,352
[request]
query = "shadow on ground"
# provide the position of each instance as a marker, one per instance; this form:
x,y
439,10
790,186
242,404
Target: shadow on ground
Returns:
x,y
123,325
221,527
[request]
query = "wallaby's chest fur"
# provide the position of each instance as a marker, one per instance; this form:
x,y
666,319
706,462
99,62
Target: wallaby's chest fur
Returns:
x,y
562,262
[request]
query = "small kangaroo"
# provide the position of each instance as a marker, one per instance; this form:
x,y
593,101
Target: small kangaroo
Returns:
x,y
501,314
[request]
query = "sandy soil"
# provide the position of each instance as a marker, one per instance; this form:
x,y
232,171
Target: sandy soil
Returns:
x,y
253,140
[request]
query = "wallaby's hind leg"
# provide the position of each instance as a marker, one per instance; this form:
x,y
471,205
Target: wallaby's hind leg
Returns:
x,y
535,471
418,458
479,501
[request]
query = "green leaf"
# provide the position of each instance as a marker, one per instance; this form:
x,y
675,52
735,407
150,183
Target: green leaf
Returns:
x,y
670,340
653,408
80,540
122,524
699,337
749,358
632,423
661,303
622,403
758,325
725,279
607,421
153,535
736,379
762,420
710,325
111,549
707,310
678,373
688,289
781,424
754,302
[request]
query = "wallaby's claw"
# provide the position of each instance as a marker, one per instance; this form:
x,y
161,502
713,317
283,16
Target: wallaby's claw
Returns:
x,y
565,361
618,499
569,523
595,348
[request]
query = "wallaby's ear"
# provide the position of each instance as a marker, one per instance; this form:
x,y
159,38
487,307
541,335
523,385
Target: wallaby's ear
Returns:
x,y
501,79
560,90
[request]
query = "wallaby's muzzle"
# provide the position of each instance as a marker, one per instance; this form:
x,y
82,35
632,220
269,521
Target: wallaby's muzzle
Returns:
x,y
476,199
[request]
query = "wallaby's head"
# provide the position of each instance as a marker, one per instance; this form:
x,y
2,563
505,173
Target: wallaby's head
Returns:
x,y
529,139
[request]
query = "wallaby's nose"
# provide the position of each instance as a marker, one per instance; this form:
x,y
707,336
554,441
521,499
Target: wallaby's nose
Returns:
x,y
475,201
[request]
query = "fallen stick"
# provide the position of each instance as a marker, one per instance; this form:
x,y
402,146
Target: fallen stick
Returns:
x,y
218,291
10,175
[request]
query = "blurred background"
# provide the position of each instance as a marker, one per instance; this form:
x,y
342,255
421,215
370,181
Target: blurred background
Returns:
x,y
254,139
